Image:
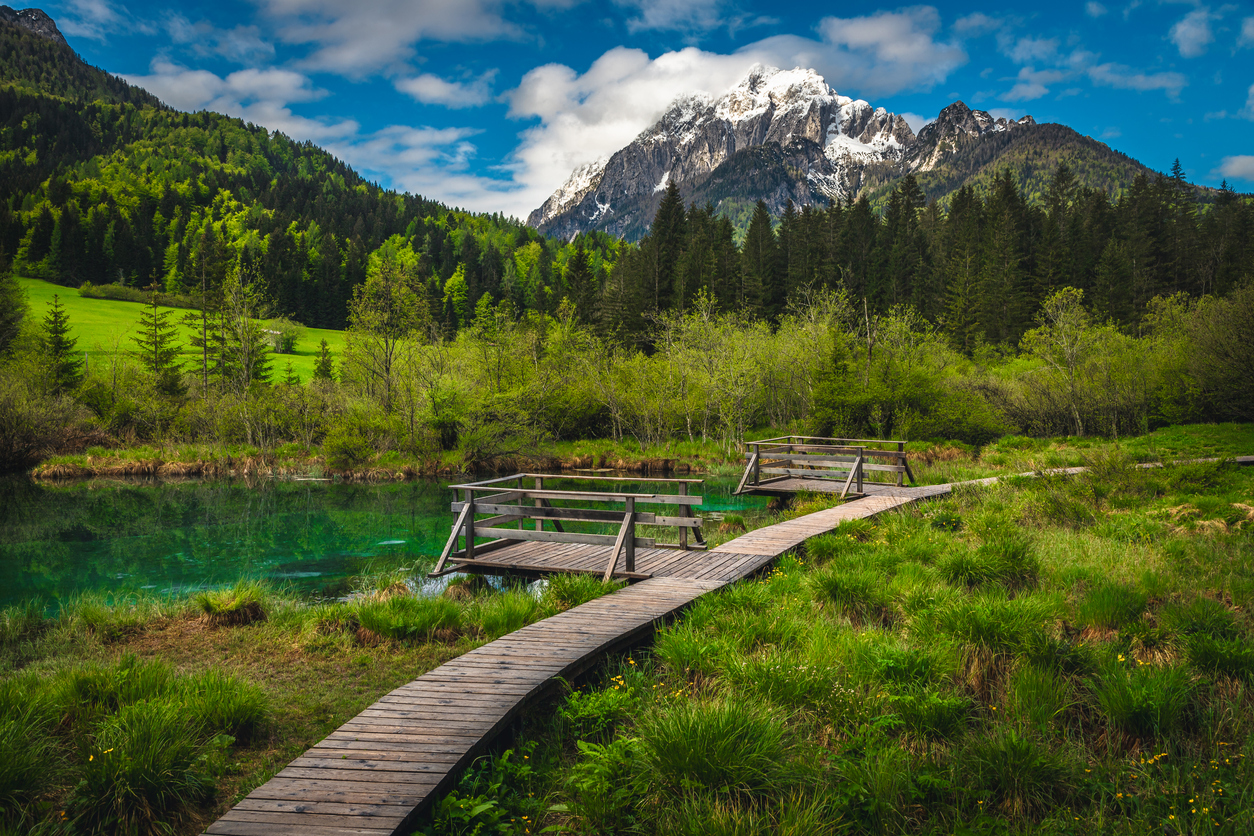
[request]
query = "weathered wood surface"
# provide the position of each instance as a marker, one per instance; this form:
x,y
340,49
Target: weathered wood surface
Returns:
x,y
377,773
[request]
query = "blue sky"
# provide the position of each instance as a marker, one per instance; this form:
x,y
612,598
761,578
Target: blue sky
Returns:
x,y
489,104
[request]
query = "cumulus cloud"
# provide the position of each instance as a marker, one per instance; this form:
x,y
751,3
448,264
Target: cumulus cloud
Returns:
x,y
915,121
874,55
1094,9
1240,167
1192,33
261,96
431,89
242,44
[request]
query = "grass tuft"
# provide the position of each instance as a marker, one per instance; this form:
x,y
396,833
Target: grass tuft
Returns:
x,y
242,604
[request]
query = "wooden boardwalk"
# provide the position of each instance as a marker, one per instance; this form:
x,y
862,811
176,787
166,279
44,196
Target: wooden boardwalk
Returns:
x,y
378,772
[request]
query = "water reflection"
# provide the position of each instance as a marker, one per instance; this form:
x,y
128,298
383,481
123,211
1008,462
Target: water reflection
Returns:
x,y
57,540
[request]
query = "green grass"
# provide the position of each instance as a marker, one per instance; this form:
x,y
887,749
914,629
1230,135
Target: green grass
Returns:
x,y
100,325
1068,678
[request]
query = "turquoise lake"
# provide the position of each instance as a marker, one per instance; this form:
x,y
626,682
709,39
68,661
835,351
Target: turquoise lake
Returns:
x,y
170,538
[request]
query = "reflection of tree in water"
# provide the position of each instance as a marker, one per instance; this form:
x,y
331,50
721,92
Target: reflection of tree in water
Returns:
x,y
59,539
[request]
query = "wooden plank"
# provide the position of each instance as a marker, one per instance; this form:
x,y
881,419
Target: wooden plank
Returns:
x,y
557,537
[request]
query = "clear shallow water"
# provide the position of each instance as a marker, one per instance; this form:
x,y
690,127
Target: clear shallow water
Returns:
x,y
167,538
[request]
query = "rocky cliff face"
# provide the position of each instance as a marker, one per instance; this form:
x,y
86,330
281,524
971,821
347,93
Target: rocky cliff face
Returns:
x,y
34,20
706,145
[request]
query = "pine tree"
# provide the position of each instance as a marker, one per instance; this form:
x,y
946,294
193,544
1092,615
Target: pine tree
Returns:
x,y
324,368
759,260
158,352
60,349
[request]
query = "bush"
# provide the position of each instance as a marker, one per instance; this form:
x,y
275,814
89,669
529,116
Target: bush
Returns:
x,y
346,449
720,745
144,770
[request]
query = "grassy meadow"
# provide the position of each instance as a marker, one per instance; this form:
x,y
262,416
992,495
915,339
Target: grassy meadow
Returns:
x,y
1061,655
103,326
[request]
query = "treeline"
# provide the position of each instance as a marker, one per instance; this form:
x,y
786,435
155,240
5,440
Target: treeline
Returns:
x,y
979,271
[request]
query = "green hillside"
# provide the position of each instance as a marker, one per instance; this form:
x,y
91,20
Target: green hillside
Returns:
x,y
103,326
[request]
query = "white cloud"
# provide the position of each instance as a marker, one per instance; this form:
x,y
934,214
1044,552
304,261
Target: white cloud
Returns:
x,y
1094,9
1032,84
1011,113
1121,77
1240,167
258,96
431,89
1192,33
1025,50
1248,111
243,44
915,121
91,18
359,36
1247,33
875,55
681,15
976,24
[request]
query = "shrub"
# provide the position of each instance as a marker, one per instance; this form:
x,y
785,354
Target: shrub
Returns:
x,y
143,771
720,745
1023,777
242,604
1145,702
346,449
1111,606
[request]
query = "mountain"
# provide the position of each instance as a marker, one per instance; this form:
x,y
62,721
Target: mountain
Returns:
x,y
823,138
33,20
782,135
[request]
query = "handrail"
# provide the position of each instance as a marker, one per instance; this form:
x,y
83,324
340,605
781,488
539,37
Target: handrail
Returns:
x,y
517,504
816,457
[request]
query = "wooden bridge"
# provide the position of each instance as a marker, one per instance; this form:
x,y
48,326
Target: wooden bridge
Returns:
x,y
378,773
845,466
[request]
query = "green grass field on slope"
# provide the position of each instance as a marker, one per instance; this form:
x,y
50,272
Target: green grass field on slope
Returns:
x,y
103,326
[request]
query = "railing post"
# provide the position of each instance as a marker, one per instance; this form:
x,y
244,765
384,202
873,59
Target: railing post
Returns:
x,y
522,523
630,545
685,511
861,456
757,466
901,462
470,524
539,503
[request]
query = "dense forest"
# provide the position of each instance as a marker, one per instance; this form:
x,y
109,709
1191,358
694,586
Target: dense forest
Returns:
x,y
1066,312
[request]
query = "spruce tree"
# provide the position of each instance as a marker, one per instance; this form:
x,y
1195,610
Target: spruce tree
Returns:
x,y
60,349
759,259
324,368
158,352
12,306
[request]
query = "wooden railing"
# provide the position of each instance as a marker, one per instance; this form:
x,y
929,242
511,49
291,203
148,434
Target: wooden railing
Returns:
x,y
523,501
809,457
